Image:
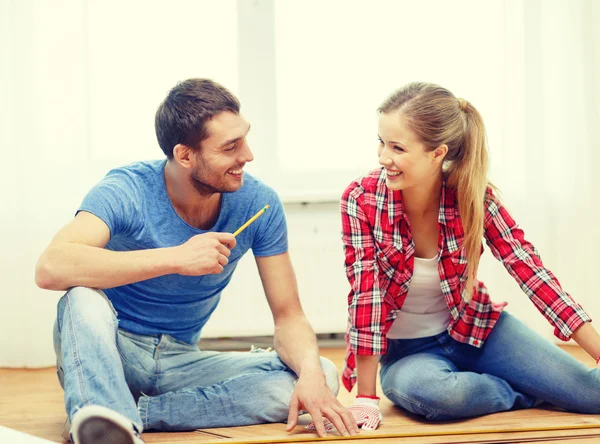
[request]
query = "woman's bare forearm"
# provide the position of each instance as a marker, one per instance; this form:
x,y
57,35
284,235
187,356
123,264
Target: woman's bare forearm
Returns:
x,y
589,339
366,367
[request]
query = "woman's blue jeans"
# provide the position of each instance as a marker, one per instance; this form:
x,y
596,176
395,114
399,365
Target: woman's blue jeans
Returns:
x,y
161,383
441,379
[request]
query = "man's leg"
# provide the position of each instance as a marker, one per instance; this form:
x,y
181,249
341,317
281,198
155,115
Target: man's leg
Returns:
x,y
88,362
210,389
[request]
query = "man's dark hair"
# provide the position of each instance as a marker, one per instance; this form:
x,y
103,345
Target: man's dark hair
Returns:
x,y
182,116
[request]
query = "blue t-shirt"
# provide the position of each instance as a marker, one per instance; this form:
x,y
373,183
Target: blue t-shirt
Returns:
x,y
134,203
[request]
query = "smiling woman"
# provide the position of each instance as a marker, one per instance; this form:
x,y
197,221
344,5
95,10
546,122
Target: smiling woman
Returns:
x,y
428,318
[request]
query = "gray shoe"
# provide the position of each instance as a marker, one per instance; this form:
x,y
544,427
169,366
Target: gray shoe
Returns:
x,y
94,424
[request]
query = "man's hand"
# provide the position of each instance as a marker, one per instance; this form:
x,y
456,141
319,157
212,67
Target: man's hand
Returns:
x,y
365,411
204,254
313,395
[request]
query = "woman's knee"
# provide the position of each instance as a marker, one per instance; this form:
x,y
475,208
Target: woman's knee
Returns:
x,y
438,398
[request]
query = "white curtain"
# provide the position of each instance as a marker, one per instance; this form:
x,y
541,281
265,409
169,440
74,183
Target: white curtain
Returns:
x,y
545,162
81,79
81,82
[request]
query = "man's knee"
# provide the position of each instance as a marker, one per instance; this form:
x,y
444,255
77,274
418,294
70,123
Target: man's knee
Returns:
x,y
86,305
331,375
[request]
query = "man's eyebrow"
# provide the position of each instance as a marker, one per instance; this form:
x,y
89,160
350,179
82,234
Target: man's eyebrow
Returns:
x,y
230,141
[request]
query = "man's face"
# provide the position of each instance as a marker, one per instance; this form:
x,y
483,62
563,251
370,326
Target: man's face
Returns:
x,y
223,155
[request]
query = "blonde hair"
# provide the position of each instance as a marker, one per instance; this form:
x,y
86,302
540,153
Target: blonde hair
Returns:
x,y
438,117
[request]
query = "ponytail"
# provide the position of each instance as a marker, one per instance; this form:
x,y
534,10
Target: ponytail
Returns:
x,y
437,117
468,175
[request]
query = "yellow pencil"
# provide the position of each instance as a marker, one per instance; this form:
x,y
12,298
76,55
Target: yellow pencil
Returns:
x,y
252,219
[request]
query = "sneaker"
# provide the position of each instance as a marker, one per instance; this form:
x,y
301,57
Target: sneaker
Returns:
x,y
94,424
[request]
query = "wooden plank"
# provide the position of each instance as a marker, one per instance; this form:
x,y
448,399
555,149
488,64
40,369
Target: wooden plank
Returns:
x,y
500,439
31,401
400,424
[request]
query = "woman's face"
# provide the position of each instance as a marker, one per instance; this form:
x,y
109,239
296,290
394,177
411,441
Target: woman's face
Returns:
x,y
405,158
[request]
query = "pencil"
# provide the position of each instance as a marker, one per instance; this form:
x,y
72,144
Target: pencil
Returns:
x,y
252,219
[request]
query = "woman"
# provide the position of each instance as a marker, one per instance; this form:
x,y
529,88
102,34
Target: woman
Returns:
x,y
412,232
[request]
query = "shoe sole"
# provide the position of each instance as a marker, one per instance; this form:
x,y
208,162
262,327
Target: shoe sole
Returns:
x,y
102,431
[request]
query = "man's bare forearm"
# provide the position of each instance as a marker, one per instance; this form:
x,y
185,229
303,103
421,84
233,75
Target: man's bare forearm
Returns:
x,y
296,344
71,265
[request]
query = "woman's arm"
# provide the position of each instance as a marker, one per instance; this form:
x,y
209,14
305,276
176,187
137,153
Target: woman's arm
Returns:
x,y
367,311
589,339
520,258
366,367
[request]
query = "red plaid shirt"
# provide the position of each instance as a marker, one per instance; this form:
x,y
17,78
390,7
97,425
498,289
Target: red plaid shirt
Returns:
x,y
380,261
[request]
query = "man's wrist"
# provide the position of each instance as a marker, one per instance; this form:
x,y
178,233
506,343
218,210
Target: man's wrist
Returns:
x,y
167,261
311,370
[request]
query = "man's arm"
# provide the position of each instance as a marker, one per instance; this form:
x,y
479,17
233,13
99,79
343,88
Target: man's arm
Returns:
x,y
77,257
296,344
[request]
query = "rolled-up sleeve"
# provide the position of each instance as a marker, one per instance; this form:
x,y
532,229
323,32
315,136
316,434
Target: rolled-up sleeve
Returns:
x,y
366,309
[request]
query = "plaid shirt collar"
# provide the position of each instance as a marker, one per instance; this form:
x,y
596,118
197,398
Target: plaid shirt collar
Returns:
x,y
395,208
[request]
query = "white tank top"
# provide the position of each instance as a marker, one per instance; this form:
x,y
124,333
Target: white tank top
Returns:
x,y
424,312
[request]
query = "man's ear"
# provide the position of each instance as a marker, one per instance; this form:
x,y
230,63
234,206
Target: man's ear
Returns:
x,y
183,155
439,154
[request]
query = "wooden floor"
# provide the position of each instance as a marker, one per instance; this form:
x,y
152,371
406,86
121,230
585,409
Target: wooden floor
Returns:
x,y
31,401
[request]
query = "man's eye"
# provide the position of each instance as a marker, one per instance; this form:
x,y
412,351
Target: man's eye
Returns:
x,y
398,148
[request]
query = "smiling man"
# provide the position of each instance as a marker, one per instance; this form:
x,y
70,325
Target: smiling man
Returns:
x,y
143,264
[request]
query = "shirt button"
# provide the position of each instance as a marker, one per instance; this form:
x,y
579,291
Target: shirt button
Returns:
x,y
381,255
475,342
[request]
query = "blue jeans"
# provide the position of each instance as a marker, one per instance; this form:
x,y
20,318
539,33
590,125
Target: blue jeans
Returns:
x,y
442,379
159,382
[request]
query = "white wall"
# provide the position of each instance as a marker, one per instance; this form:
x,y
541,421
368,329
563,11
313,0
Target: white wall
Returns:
x,y
81,80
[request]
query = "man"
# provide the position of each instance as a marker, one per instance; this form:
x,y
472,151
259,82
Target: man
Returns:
x,y
145,260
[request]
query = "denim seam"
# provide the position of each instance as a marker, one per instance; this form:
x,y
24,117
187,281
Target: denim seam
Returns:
x,y
415,403
144,417
78,365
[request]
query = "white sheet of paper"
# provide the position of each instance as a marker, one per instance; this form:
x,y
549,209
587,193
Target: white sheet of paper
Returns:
x,y
15,437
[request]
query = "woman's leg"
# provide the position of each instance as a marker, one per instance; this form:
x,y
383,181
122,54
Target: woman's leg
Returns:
x,y
533,365
431,385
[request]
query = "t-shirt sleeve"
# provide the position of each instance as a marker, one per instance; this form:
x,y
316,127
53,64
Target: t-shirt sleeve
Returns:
x,y
271,234
116,201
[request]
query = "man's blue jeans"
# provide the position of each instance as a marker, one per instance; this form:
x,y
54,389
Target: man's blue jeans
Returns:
x,y
441,379
161,383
